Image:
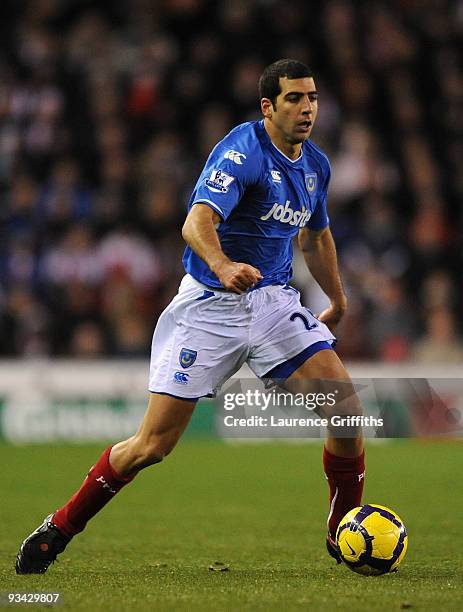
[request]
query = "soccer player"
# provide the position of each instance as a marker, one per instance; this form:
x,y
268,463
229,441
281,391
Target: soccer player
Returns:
x,y
263,184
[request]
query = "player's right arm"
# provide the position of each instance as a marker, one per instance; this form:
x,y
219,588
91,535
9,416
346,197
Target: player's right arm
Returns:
x,y
200,234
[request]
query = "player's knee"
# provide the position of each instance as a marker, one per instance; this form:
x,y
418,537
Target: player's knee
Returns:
x,y
154,451
348,447
146,457
145,461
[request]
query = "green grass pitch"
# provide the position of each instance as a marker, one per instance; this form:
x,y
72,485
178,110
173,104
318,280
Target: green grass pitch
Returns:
x,y
259,508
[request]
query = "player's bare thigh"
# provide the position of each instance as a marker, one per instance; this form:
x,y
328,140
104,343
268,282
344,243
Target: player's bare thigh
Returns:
x,y
164,422
321,373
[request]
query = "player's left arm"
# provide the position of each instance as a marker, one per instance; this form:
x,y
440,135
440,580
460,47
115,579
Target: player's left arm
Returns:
x,y
319,253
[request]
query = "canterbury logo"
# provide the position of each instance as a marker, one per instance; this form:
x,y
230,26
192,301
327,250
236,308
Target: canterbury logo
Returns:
x,y
235,156
285,214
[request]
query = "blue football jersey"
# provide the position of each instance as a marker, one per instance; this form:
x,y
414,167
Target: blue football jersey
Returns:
x,y
263,199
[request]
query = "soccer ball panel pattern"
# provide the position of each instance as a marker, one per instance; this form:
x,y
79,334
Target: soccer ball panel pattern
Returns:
x,y
372,540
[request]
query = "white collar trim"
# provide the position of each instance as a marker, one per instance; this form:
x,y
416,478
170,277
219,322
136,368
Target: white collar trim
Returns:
x,y
293,161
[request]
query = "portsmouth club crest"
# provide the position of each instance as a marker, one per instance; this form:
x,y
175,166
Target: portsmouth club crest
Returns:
x,y
187,357
311,181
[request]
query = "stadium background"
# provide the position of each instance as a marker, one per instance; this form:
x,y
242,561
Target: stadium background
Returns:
x,y
107,113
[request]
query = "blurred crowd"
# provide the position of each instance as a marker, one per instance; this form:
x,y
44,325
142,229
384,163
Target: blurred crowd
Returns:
x,y
108,111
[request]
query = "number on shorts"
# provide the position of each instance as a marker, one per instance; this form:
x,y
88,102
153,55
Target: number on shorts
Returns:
x,y
298,315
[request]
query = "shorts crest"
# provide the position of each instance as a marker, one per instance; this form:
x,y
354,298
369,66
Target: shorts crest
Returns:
x,y
187,357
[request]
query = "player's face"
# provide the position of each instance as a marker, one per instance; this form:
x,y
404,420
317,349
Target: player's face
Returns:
x,y
295,109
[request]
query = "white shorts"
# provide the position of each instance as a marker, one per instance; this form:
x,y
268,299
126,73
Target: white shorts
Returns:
x,y
204,336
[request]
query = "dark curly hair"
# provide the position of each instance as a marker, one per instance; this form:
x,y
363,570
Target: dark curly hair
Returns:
x,y
269,82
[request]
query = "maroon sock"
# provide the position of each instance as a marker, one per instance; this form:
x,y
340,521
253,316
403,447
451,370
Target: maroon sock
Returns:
x,y
345,477
98,488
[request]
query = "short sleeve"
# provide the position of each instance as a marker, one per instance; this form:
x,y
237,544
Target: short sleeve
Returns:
x,y
223,181
319,218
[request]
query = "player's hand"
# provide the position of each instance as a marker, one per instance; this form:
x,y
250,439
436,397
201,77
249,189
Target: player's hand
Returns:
x,y
333,314
238,277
